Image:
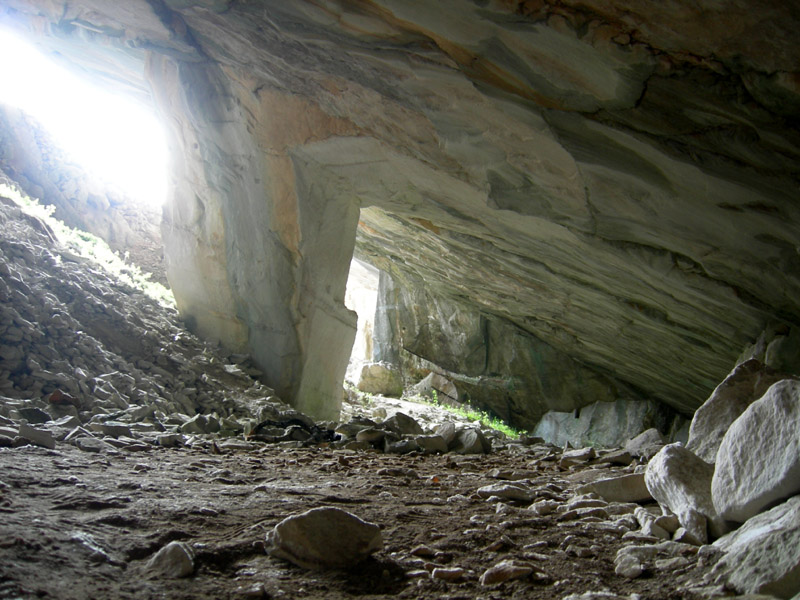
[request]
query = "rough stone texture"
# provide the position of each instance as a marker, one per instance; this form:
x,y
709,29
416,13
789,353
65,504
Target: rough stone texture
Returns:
x,y
763,555
746,383
646,444
176,559
615,181
625,488
607,424
681,482
758,462
380,378
324,538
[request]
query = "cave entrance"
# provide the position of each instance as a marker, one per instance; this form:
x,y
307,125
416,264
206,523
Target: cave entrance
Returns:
x,y
361,297
114,139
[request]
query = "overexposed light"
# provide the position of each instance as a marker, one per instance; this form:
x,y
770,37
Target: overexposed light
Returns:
x,y
113,138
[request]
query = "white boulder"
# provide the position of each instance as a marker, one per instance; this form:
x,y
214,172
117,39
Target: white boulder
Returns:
x,y
746,384
681,482
758,463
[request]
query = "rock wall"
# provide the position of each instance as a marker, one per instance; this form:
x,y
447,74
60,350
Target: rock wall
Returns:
x,y
495,365
617,182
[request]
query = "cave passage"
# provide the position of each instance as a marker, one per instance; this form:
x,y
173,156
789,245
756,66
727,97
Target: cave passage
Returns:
x,y
116,139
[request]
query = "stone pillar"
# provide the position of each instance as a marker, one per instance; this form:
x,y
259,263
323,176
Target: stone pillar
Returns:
x,y
385,339
256,255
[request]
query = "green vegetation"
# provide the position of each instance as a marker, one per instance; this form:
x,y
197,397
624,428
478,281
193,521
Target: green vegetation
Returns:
x,y
89,247
471,413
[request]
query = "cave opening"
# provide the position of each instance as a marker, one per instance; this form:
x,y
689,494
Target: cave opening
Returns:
x,y
116,140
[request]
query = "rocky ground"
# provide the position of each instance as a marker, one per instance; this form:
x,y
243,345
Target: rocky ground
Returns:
x,y
137,461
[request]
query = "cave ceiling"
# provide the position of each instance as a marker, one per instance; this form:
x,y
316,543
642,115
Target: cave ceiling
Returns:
x,y
617,179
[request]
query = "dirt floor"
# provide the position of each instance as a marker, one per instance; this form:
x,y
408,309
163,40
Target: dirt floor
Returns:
x,y
82,525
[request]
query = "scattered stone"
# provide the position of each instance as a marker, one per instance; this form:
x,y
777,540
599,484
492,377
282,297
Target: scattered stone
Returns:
x,y
512,492
597,596
34,415
431,444
576,457
507,570
681,483
625,488
170,440
380,378
626,565
175,560
371,435
646,444
452,574
758,463
745,384
37,437
324,538
470,441
447,431
402,424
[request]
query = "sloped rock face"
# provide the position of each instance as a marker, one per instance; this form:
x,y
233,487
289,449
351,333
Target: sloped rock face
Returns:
x,y
617,184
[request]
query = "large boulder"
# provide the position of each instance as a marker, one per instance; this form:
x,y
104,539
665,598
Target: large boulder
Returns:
x,y
746,383
324,538
763,555
758,462
681,482
381,378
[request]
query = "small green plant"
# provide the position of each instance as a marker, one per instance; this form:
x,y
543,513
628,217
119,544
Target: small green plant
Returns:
x,y
90,247
470,413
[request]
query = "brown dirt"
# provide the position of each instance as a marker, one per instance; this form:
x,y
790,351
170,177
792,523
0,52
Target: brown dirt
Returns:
x,y
131,503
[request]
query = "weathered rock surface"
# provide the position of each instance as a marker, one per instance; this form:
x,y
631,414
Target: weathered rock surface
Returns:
x,y
537,162
758,462
746,384
606,424
380,378
176,559
763,555
324,538
681,482
625,488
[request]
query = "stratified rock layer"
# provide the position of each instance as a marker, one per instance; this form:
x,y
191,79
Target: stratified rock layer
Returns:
x,y
616,182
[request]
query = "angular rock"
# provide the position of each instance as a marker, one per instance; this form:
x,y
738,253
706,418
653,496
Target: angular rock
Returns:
x,y
175,560
431,444
625,488
507,570
576,457
763,555
758,462
371,435
746,384
646,444
381,378
681,482
324,538
38,437
448,431
34,415
437,386
470,441
402,424
515,492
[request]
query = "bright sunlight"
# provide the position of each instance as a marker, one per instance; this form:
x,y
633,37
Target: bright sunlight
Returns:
x,y
113,138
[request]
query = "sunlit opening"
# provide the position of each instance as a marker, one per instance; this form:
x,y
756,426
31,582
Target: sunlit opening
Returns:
x,y
113,138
